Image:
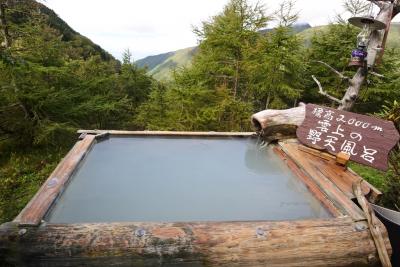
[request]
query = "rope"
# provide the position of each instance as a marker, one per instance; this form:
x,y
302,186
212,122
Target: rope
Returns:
x,y
373,224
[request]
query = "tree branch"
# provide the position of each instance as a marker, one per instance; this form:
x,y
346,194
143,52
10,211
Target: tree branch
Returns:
x,y
379,4
322,92
343,77
396,9
376,74
5,138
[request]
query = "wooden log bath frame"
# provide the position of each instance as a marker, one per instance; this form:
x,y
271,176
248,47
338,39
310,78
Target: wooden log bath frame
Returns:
x,y
343,240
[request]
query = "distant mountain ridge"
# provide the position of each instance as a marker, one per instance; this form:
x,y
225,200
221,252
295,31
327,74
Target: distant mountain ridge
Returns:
x,y
161,66
297,28
152,61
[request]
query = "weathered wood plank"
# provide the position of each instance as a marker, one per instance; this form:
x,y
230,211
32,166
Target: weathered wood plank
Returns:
x,y
319,170
308,182
374,195
33,213
345,181
335,242
168,133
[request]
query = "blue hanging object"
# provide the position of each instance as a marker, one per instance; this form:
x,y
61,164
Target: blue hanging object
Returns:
x,y
358,57
368,24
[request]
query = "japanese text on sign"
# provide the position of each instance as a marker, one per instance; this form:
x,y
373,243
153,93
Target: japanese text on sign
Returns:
x,y
366,139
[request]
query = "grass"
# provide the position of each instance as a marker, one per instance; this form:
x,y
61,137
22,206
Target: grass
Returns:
x,y
375,177
394,36
387,182
21,176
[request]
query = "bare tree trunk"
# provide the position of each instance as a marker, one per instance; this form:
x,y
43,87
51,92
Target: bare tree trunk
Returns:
x,y
4,26
236,78
268,100
278,124
374,49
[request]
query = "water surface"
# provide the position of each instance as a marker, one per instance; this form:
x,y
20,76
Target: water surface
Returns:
x,y
183,179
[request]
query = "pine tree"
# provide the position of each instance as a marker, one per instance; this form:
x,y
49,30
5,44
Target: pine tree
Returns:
x,y
276,64
223,44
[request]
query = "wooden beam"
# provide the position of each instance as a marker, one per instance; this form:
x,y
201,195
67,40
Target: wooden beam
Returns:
x,y
168,133
317,192
375,194
34,212
334,242
332,179
371,192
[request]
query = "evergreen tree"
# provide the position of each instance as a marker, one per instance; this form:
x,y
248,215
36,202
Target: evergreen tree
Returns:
x,y
224,42
133,81
277,65
332,46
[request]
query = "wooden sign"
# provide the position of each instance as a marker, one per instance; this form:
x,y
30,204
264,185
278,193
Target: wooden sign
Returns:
x,y
366,139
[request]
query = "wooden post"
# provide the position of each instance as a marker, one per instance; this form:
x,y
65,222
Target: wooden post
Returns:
x,y
342,158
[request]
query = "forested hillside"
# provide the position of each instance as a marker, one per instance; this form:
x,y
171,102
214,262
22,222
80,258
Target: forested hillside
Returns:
x,y
54,81
161,66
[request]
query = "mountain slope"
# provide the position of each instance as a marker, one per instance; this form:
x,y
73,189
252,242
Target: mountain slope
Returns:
x,y
151,62
160,66
180,58
81,46
299,27
392,42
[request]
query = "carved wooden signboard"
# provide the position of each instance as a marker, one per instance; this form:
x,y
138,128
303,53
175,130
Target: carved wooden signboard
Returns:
x,y
366,139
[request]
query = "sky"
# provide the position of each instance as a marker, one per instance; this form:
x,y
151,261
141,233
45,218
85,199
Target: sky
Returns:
x,y
151,27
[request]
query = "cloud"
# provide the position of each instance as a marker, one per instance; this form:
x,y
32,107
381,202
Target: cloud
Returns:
x,y
156,26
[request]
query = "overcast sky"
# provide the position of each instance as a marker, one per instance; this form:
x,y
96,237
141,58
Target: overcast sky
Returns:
x,y
150,27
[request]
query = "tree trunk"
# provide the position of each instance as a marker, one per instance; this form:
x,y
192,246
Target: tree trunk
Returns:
x,y
374,48
279,124
268,100
236,79
4,27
